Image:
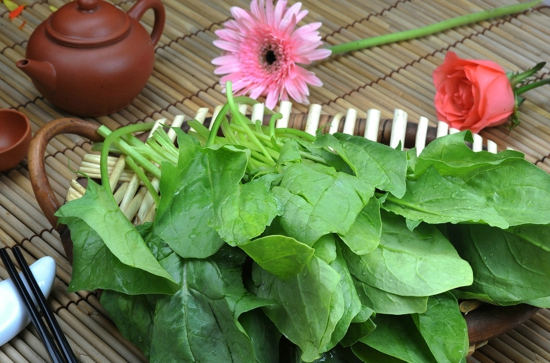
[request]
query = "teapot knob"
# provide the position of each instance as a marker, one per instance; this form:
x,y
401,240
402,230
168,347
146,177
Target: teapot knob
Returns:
x,y
87,5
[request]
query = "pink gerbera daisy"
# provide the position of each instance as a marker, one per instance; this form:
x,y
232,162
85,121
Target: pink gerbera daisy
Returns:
x,y
261,49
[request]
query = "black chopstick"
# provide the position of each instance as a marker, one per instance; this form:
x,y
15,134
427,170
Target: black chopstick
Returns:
x,y
57,356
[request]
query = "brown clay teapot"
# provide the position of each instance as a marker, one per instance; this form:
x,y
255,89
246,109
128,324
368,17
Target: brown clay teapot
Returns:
x,y
90,58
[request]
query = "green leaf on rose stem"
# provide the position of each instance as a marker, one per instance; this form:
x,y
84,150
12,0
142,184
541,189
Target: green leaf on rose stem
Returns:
x,y
245,211
435,199
444,328
410,263
108,255
309,307
510,265
282,256
518,77
379,165
398,337
203,178
318,200
364,235
200,323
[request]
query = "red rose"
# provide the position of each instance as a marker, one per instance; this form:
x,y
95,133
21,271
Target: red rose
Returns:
x,y
472,94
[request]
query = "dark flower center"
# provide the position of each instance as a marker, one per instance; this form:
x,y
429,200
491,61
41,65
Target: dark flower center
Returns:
x,y
270,57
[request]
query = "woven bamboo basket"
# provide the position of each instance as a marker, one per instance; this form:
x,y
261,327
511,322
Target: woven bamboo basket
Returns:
x,y
484,321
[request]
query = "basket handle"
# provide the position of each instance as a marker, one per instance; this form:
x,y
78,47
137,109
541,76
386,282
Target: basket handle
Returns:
x,y
39,179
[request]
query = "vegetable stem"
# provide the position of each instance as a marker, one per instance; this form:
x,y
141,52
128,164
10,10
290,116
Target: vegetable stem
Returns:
x,y
238,117
295,132
141,175
113,137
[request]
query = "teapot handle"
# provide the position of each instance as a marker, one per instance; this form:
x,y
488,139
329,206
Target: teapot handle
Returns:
x,y
141,7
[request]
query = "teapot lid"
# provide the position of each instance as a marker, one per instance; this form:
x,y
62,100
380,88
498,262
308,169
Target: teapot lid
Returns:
x,y
87,23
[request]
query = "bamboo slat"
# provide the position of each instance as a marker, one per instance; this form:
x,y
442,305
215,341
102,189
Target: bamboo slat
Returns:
x,y
386,78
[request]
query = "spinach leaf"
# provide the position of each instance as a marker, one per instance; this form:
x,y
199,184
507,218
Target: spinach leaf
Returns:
x,y
398,337
410,263
357,331
309,307
434,199
133,315
325,248
282,256
200,322
516,189
444,328
371,355
263,335
245,212
450,155
509,268
378,164
364,234
351,300
384,302
202,179
338,354
318,200
110,255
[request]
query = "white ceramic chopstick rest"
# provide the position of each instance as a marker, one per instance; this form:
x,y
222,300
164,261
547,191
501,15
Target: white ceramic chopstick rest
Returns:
x,y
13,316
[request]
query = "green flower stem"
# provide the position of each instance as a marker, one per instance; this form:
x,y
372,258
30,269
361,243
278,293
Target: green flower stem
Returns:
x,y
432,29
530,86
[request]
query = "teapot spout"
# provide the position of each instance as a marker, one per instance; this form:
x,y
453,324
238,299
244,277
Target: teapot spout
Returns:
x,y
41,73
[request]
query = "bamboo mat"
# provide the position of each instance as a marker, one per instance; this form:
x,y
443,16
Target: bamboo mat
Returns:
x,y
384,78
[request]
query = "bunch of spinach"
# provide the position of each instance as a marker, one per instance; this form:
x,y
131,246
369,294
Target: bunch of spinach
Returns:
x,y
271,245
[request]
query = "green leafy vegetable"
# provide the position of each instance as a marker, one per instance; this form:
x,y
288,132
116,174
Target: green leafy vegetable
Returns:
x,y
444,328
272,245
309,305
411,263
330,207
110,255
510,269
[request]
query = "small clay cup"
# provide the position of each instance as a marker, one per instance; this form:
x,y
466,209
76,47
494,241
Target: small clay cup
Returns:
x,y
15,137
